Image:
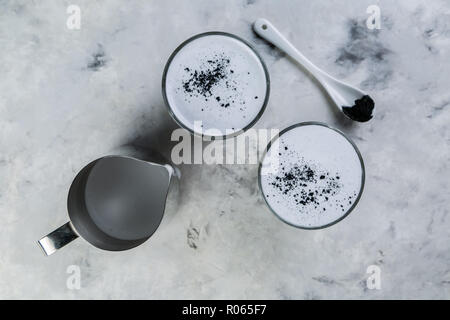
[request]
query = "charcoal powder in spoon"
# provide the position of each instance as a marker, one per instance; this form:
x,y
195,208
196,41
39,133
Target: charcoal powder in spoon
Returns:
x,y
362,109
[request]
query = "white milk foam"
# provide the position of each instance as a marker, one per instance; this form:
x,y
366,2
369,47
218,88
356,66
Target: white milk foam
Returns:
x,y
319,177
218,80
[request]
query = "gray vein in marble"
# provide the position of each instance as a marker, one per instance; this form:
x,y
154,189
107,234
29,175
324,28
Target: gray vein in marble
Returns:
x,y
98,59
363,45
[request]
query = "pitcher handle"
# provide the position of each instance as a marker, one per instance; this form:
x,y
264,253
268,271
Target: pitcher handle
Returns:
x,y
58,238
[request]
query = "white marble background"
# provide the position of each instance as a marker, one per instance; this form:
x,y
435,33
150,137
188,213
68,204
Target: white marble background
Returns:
x,y
68,97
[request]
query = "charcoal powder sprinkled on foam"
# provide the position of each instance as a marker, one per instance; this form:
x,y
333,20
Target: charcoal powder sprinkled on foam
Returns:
x,y
301,182
212,73
201,82
307,184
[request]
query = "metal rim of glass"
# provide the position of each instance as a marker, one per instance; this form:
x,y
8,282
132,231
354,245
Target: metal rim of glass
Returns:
x,y
363,174
178,49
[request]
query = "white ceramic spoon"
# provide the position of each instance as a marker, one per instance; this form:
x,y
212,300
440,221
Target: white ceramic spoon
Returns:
x,y
353,102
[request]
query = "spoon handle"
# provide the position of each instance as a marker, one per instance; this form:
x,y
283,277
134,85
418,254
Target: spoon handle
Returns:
x,y
267,31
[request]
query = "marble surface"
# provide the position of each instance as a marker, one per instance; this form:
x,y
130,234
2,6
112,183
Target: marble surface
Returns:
x,y
70,96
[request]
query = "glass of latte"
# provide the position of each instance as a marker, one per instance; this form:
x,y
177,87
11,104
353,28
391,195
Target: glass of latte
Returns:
x,y
215,84
316,175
